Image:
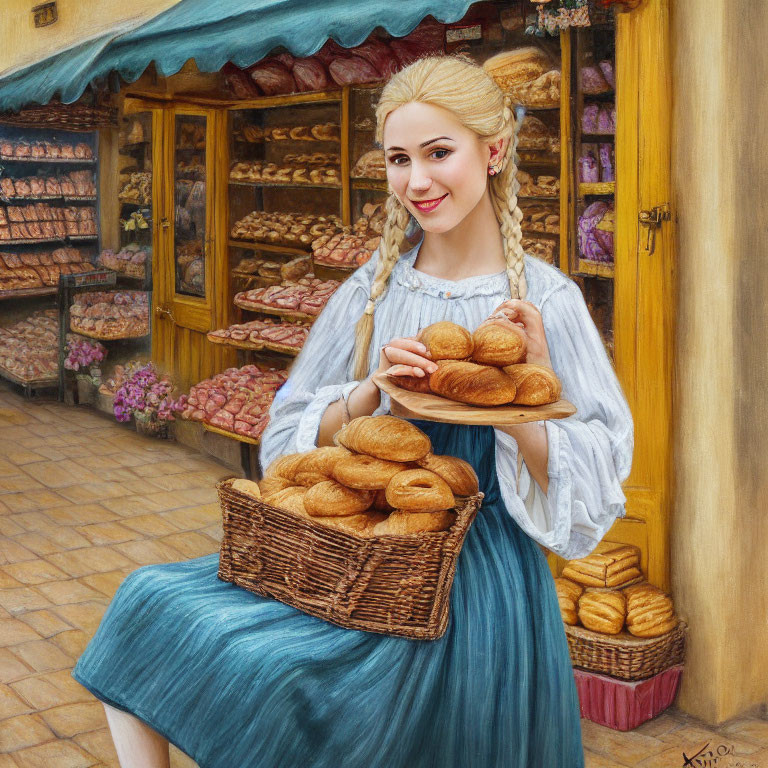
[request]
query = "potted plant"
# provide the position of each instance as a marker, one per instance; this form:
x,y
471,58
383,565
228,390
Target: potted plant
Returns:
x,y
147,397
84,355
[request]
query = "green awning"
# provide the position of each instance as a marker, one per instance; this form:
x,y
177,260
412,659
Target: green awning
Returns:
x,y
213,32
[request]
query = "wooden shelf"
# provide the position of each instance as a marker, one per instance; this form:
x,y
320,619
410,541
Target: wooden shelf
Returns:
x,y
231,435
596,138
591,269
379,185
53,160
540,198
254,346
288,184
48,290
270,247
598,188
45,198
288,314
32,383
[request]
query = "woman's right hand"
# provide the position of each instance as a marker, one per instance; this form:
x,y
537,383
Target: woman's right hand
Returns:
x,y
405,357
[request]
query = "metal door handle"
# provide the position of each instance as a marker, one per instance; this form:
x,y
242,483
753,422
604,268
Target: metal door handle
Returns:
x,y
161,311
652,219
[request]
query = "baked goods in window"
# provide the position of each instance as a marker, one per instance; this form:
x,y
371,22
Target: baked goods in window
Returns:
x,y
603,611
371,165
514,68
536,384
543,92
534,134
543,248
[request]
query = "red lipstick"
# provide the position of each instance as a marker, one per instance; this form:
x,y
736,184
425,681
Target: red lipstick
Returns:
x,y
427,206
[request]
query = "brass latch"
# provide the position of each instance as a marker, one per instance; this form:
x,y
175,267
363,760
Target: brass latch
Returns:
x,y
163,311
652,220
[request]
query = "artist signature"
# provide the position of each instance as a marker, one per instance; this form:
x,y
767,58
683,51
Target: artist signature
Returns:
x,y
720,756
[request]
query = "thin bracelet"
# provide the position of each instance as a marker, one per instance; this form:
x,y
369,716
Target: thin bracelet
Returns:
x,y
346,417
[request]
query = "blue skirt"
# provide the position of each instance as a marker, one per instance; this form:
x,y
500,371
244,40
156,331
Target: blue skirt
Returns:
x,y
237,680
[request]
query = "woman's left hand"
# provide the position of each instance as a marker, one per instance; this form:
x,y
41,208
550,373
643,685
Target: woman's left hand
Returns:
x,y
527,316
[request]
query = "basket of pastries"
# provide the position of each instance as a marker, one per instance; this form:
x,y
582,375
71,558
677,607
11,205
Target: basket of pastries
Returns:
x,y
364,534
481,377
616,623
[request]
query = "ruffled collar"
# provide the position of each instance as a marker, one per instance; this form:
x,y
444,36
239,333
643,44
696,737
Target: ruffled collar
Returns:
x,y
477,285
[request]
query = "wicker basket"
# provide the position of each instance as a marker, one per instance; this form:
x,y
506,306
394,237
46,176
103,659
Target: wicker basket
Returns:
x,y
396,585
625,656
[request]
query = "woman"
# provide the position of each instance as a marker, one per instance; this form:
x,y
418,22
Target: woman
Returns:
x,y
237,680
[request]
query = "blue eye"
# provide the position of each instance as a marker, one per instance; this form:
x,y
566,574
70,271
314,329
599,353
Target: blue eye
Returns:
x,y
398,159
439,154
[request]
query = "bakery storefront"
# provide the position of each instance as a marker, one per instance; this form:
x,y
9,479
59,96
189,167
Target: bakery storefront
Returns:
x,y
240,184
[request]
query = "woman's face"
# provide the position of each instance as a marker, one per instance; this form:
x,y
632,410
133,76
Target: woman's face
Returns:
x,y
437,167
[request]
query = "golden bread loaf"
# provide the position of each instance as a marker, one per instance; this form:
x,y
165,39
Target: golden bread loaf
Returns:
x,y
412,383
536,384
366,472
617,567
471,383
603,611
380,503
459,474
317,465
270,484
498,341
419,490
512,68
284,466
650,612
248,487
385,437
446,341
362,523
291,499
568,594
401,522
331,499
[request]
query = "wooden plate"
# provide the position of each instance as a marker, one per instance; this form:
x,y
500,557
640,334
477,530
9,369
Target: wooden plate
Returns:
x,y
436,408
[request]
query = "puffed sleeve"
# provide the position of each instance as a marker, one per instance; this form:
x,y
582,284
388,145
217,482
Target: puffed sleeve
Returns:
x,y
320,373
590,453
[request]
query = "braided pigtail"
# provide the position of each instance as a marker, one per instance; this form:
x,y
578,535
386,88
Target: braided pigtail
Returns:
x,y
504,188
389,252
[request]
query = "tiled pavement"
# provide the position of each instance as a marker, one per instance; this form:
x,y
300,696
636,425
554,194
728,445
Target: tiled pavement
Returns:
x,y
83,502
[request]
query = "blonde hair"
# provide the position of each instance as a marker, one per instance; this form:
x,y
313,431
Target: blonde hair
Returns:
x,y
470,93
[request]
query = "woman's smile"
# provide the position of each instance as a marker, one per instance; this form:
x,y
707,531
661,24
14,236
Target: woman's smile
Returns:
x,y
427,206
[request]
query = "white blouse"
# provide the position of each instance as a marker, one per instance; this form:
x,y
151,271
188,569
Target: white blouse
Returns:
x,y
590,453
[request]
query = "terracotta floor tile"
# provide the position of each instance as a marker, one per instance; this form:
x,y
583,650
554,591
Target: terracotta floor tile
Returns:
x,y
105,582
628,748
64,592
43,656
9,527
45,623
83,562
7,761
22,599
34,572
216,532
59,474
11,667
72,643
595,760
127,459
191,544
62,754
130,506
32,501
98,463
19,458
149,551
158,469
55,452
13,631
120,475
696,736
7,581
139,486
34,521
99,744
149,525
751,729
85,616
35,542
51,689
10,704
72,719
16,483
188,518
67,538
12,552
23,731
81,514
16,434
110,533
6,468
180,482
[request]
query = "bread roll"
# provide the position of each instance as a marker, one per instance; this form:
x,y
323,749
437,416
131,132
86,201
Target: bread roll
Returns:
x,y
401,522
412,383
419,490
362,523
536,384
498,341
273,484
366,472
248,487
568,594
521,65
317,465
385,437
471,383
650,612
603,611
284,466
612,568
332,499
380,503
459,474
446,341
291,499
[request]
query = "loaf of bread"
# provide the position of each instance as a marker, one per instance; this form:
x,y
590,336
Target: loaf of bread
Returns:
x,y
363,523
498,341
270,484
650,612
413,383
401,522
568,594
318,465
248,487
536,384
472,383
419,490
366,472
603,611
284,466
385,437
446,341
617,567
459,474
332,499
291,499
512,68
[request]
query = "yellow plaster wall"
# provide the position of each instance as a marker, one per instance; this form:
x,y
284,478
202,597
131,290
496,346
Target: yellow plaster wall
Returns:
x,y
719,536
22,44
